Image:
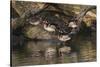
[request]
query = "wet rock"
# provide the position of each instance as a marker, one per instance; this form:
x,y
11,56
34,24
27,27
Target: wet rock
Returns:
x,y
21,7
17,23
68,11
36,32
89,18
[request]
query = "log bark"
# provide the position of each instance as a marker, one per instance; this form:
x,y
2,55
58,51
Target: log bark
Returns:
x,y
82,13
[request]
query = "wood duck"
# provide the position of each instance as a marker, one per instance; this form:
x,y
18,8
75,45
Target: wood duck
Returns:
x,y
72,25
53,23
64,38
49,27
34,21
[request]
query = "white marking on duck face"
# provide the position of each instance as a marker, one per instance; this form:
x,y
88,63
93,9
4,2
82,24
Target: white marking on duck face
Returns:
x,y
64,38
34,23
50,28
72,24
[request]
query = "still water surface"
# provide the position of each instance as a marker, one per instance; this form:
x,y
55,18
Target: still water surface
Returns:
x,y
83,49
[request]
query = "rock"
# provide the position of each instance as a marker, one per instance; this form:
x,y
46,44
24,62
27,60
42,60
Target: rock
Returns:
x,y
36,32
17,23
89,18
21,6
68,10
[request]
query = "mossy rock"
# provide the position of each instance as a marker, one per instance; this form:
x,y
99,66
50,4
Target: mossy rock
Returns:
x,y
36,32
22,6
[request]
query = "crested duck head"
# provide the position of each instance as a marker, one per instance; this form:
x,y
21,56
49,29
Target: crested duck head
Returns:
x,y
72,25
64,37
34,21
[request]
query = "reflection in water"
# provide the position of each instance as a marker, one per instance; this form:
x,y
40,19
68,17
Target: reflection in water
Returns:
x,y
87,53
47,52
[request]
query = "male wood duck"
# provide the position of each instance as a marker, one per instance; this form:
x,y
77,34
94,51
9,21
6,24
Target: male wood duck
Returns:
x,y
49,27
72,25
55,24
64,37
34,20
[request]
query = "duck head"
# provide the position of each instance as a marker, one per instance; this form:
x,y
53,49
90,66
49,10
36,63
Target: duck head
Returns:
x,y
72,25
34,21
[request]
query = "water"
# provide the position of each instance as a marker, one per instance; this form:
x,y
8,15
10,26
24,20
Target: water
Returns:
x,y
83,49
